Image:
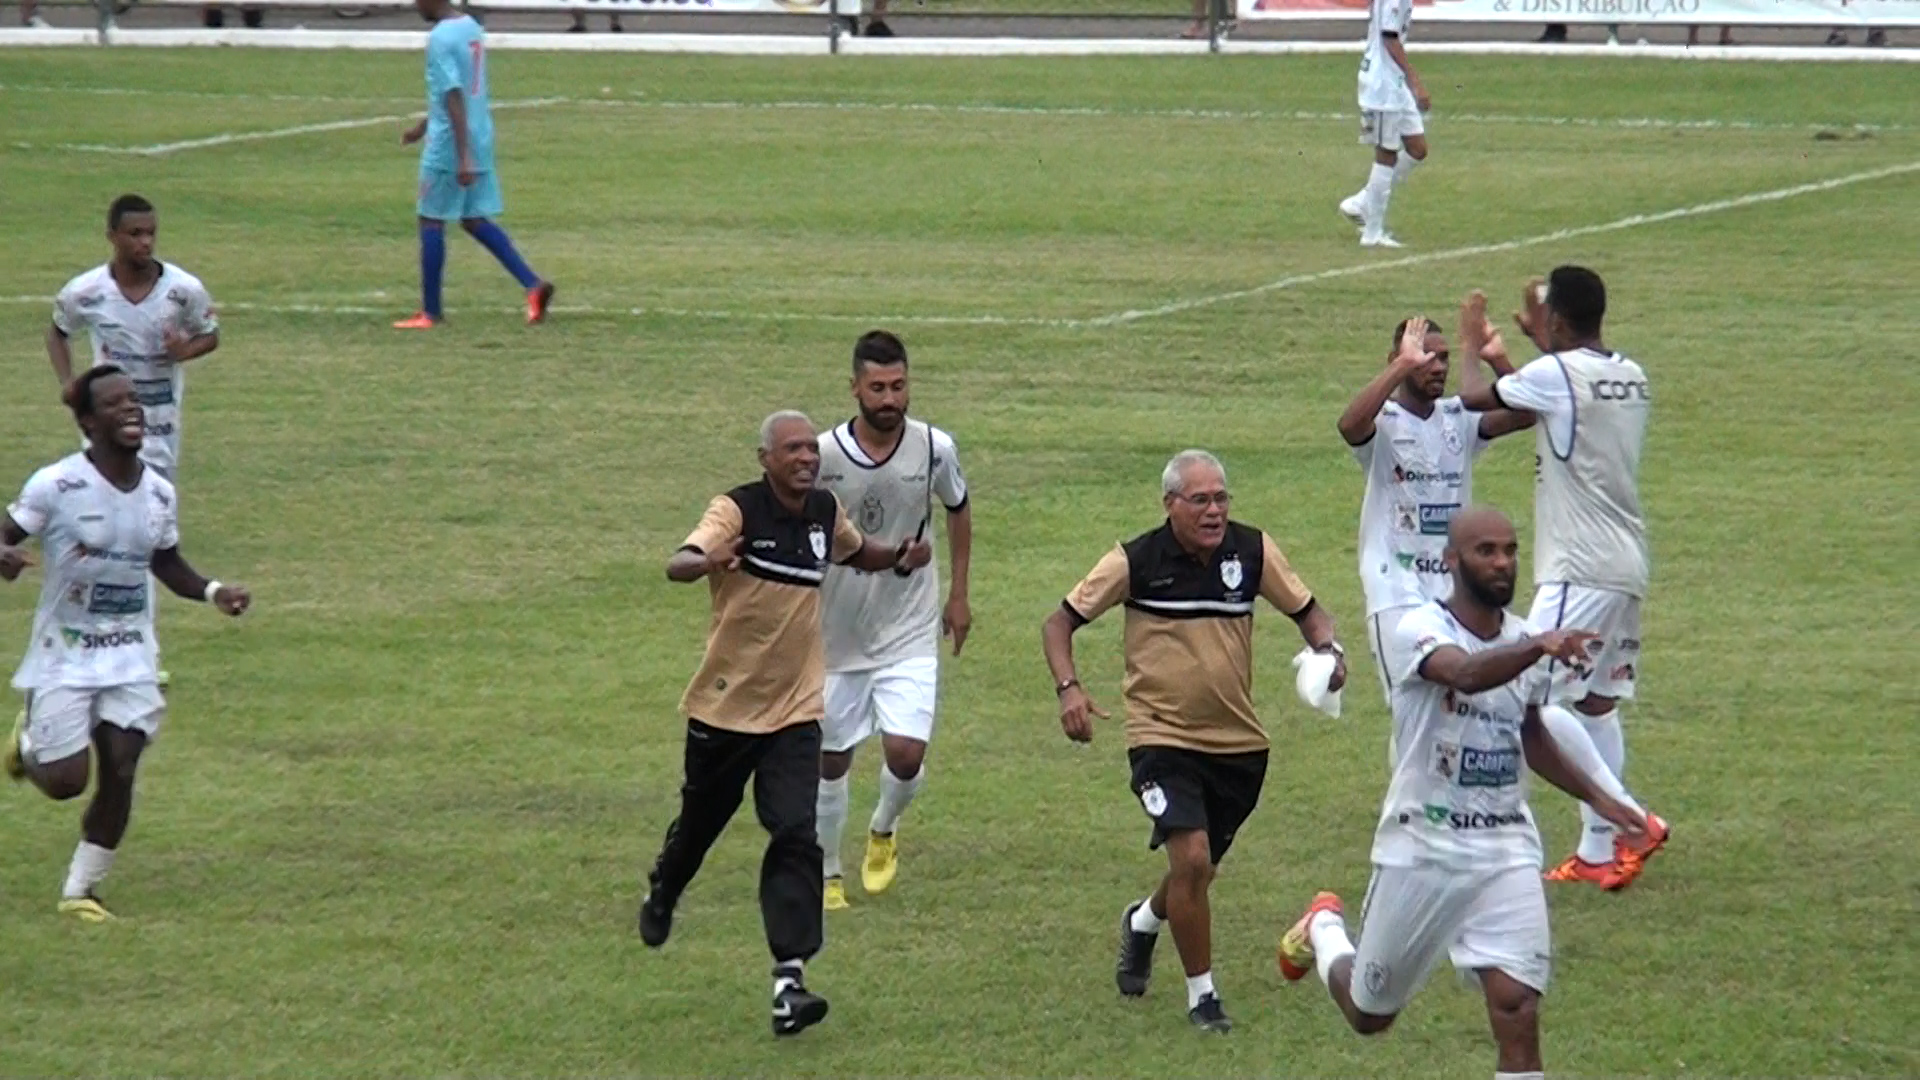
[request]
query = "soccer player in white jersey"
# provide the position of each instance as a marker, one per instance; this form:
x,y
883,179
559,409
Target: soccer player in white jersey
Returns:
x,y
1590,563
1418,450
1392,99
104,519
882,630
1456,855
144,316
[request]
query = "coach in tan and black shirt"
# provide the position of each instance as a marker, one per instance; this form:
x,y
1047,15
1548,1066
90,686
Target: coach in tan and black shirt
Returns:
x,y
754,707
1197,750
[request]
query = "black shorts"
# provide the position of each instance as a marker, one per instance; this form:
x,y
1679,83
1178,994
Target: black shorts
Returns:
x,y
1186,789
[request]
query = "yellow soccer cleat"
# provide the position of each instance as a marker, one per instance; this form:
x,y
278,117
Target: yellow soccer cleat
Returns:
x,y
882,864
836,894
1296,945
11,760
164,678
86,908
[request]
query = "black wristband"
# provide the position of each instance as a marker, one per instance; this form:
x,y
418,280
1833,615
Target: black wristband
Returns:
x,y
1062,688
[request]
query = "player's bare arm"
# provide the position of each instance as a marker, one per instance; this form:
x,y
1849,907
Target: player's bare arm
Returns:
x,y
1317,630
1451,666
13,557
1356,423
182,346
1481,339
957,619
1077,710
874,555
457,119
1545,759
1398,51
172,571
411,135
60,355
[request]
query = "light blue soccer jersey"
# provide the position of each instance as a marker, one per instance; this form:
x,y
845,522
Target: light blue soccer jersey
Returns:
x,y
457,60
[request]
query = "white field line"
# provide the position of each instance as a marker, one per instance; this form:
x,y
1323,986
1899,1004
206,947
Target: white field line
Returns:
x,y
232,137
1653,123
1135,315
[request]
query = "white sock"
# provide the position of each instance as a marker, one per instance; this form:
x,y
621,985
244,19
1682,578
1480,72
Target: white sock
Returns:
x,y
1144,920
1596,837
895,794
787,973
1198,986
90,864
1378,191
1403,168
830,820
1328,933
1520,1076
1579,746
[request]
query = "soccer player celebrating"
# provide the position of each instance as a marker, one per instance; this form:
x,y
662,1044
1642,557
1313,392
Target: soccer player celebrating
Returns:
x,y
1392,97
1590,563
1456,855
882,630
104,518
457,178
1418,449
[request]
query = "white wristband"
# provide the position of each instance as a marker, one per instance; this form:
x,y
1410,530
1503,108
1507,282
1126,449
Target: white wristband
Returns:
x,y
213,587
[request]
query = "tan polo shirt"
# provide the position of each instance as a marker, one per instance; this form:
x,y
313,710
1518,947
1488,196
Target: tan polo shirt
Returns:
x,y
1189,633
763,668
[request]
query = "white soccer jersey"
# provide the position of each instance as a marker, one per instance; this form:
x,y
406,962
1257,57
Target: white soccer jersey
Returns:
x,y
132,336
872,619
1383,86
1458,797
1593,411
94,625
1419,472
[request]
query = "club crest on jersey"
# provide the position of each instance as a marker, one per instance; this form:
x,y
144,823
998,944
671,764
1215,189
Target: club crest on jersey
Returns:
x,y
873,513
817,536
1446,758
1230,573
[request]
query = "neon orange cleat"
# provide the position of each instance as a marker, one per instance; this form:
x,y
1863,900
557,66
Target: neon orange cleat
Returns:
x,y
1630,858
421,321
538,299
1296,945
1574,870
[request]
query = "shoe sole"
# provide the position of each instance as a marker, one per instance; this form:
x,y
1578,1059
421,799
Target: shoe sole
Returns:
x,y
802,1019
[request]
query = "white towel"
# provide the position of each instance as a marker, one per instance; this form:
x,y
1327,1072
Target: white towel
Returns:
x,y
1313,675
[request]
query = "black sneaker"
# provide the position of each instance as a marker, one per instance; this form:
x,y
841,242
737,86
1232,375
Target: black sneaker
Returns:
x,y
1210,1015
878,28
1136,956
656,922
795,1009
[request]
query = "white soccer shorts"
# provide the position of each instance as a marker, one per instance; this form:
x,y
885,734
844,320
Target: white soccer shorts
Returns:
x,y
60,721
1615,616
894,700
1388,129
1479,918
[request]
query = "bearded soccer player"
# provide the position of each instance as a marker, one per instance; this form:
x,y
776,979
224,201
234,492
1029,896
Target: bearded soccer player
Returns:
x,y
1590,559
882,630
104,518
457,177
1456,855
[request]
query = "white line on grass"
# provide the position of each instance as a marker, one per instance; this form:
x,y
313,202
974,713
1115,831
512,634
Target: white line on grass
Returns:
x,y
1631,123
232,137
1124,318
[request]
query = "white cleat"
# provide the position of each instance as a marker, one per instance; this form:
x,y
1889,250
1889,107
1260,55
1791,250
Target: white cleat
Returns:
x,y
1354,209
1381,239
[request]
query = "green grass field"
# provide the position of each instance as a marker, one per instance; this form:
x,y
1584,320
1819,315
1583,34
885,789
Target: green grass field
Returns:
x,y
400,815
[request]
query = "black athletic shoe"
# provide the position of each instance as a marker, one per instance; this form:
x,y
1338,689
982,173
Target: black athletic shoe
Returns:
x,y
656,922
1136,956
878,28
1210,1015
795,1010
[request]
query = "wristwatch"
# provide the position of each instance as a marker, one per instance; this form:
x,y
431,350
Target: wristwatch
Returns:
x,y
1063,687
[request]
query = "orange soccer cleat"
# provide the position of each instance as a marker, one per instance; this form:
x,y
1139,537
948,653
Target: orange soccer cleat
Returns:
x,y
1630,857
1296,945
538,299
421,321
1574,870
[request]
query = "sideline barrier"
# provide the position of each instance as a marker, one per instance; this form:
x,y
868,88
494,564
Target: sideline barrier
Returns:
x,y
1877,14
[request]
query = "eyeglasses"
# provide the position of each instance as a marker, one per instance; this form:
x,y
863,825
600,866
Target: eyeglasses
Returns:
x,y
1202,500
